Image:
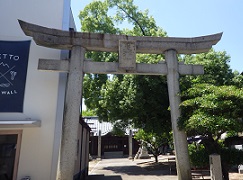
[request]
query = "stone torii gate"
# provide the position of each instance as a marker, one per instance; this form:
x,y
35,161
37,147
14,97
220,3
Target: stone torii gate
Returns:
x,y
127,47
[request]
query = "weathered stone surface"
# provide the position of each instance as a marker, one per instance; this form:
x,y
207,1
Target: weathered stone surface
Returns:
x,y
215,167
113,68
99,146
189,69
53,65
179,136
110,42
130,144
69,141
127,55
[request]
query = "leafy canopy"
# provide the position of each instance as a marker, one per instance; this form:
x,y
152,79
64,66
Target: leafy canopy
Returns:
x,y
153,141
212,109
212,103
138,100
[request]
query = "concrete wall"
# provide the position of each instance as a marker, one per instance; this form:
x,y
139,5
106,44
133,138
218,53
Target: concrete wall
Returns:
x,y
44,91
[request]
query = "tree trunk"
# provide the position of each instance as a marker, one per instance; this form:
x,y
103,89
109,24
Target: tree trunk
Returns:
x,y
213,147
156,158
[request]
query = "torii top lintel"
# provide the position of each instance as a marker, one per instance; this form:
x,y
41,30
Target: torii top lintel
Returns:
x,y
59,39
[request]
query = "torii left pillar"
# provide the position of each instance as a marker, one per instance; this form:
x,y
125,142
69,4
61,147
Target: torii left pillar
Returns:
x,y
68,153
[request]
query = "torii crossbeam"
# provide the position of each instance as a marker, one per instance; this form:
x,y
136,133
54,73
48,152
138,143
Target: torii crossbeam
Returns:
x,y
127,47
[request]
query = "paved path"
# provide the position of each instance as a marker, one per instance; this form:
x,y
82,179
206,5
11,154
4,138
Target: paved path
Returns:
x,y
125,169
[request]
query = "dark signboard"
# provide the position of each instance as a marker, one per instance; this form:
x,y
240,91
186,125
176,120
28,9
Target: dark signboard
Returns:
x,y
14,57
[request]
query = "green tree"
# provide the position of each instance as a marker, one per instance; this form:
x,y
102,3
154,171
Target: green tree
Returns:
x,y
212,110
216,68
212,103
119,128
152,141
86,113
139,100
238,79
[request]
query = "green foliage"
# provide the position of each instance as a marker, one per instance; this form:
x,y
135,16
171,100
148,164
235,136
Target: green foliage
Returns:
x,y
142,23
119,128
216,68
86,113
238,79
94,18
135,98
212,103
198,155
91,90
139,100
153,141
214,109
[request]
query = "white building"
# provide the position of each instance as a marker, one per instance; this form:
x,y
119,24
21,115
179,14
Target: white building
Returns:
x,y
30,140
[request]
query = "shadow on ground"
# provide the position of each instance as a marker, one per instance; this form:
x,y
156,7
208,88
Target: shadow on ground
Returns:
x,y
144,169
103,177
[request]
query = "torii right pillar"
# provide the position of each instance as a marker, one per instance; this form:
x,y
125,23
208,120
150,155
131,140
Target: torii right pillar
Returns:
x,y
180,138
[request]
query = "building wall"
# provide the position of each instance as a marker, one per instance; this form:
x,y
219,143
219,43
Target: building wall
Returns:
x,y
110,143
82,160
44,91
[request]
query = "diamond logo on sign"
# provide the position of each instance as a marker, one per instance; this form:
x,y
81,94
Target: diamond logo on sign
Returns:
x,y
13,68
8,74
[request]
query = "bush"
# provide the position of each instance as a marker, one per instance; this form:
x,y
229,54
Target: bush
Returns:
x,y
199,158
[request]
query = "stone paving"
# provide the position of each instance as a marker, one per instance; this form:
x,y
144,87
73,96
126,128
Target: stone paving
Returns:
x,y
125,169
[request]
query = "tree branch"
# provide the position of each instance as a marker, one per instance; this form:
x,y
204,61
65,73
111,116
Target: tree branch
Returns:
x,y
131,17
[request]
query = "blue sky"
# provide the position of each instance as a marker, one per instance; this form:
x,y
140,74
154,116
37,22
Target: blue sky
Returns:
x,y
191,18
